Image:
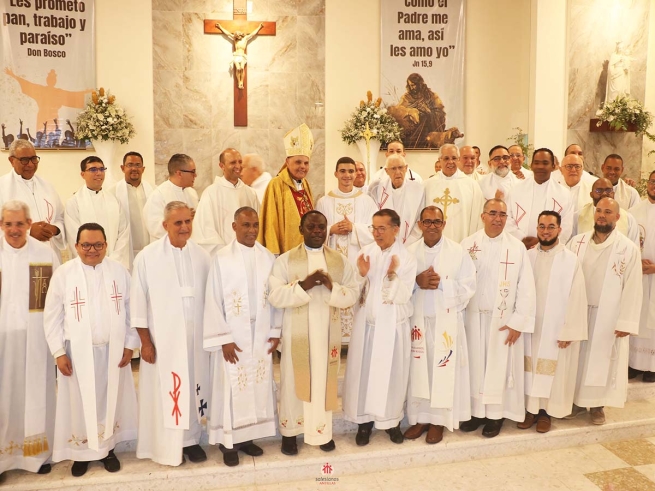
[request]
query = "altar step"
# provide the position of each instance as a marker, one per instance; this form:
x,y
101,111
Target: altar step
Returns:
x,y
636,420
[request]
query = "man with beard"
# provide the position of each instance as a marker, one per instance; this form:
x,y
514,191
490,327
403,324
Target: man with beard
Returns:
x,y
611,265
552,352
432,117
500,180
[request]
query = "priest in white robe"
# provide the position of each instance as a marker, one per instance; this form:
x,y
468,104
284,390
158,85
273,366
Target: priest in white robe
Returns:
x,y
439,384
553,350
642,347
132,192
534,195
349,213
242,330
254,174
87,326
395,147
459,197
377,373
168,303
575,149
178,187
498,182
516,161
46,208
405,197
311,283
611,264
467,163
214,217
585,218
92,204
502,308
613,169
571,178
27,370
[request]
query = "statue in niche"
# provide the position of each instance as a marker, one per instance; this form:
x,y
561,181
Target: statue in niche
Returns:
x,y
618,74
239,58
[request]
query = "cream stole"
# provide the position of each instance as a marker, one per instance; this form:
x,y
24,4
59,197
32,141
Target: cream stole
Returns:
x,y
108,215
250,377
343,207
539,376
446,350
604,340
300,329
77,319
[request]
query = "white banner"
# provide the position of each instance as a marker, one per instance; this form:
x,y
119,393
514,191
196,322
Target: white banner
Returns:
x,y
48,67
422,69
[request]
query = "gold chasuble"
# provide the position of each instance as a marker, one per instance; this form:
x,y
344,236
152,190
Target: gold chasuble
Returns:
x,y
282,208
300,330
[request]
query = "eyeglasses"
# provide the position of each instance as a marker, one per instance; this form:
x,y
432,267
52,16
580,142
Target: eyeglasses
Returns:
x,y
26,160
134,166
651,182
603,191
516,155
573,167
498,158
550,228
494,214
95,170
381,230
188,171
98,246
432,223
393,170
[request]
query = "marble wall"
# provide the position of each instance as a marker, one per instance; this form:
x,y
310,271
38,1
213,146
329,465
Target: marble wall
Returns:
x,y
594,27
193,89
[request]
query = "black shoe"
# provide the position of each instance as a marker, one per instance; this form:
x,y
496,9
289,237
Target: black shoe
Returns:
x,y
364,433
649,377
328,447
472,424
633,373
111,463
195,453
249,448
79,468
492,428
230,457
395,435
45,469
289,445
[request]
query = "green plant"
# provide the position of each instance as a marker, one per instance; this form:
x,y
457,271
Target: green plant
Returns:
x,y
102,119
382,126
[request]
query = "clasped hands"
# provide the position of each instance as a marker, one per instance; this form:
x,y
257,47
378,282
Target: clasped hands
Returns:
x,y
43,231
318,277
428,279
344,227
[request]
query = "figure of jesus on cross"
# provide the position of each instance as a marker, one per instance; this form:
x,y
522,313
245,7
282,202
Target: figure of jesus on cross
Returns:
x,y
239,58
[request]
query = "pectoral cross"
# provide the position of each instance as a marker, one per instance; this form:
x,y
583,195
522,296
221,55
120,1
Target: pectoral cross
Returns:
x,y
446,201
240,31
506,262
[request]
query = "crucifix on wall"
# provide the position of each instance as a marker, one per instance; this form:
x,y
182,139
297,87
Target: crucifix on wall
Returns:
x,y
240,31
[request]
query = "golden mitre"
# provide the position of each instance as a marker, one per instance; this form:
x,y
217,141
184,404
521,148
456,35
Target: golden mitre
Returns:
x,y
299,141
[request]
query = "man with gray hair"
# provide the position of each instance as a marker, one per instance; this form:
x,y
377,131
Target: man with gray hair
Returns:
x,y
178,187
403,196
23,184
254,174
168,303
27,370
459,197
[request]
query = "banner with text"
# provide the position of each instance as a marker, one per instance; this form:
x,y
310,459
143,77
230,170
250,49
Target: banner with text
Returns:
x,y
48,67
422,69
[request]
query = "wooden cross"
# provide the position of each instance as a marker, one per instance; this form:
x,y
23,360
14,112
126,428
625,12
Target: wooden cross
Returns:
x,y
245,29
446,201
506,262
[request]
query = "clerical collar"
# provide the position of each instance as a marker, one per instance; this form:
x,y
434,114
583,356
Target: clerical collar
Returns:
x,y
93,191
311,249
434,246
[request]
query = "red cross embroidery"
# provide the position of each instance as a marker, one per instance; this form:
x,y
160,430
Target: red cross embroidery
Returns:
x,y
580,245
116,296
506,262
77,304
175,395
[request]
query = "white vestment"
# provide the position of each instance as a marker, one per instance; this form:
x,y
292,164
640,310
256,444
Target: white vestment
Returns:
x,y
212,225
260,184
168,298
406,200
583,222
642,347
475,175
612,272
153,211
100,207
504,296
626,195
43,201
492,182
461,201
439,383
243,403
298,416
528,198
27,370
87,316
132,200
527,174
580,194
377,372
561,315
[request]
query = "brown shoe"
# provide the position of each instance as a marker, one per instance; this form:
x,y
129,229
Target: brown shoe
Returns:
x,y
413,432
530,419
543,423
597,416
435,434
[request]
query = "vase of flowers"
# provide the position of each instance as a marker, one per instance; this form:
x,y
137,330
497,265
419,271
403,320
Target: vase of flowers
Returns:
x,y
626,114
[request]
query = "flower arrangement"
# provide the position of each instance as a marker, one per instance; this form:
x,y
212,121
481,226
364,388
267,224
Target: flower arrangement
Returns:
x,y
382,125
102,119
624,111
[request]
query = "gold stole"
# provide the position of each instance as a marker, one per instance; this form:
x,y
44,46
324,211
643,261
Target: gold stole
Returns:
x,y
300,329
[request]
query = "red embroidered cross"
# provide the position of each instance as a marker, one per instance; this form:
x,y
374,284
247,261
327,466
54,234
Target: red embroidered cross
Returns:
x,y
116,296
175,395
506,262
580,245
77,304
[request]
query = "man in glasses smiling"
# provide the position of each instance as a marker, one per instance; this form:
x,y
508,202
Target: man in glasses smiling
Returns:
x,y
500,180
91,204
